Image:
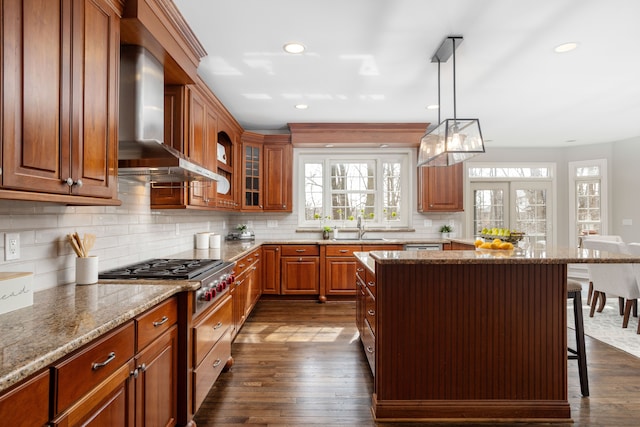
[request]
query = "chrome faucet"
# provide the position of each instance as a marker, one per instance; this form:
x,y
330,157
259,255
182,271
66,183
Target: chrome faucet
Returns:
x,y
360,226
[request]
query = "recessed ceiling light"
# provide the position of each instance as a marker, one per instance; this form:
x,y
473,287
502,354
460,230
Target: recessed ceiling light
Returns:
x,y
302,106
293,48
432,107
565,47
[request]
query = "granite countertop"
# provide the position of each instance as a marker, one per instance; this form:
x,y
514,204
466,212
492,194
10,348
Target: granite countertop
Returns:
x,y
64,318
489,256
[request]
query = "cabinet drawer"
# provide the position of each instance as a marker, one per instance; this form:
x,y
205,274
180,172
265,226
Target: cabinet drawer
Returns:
x,y
27,404
246,261
369,344
208,331
370,311
209,370
154,322
342,250
85,370
300,250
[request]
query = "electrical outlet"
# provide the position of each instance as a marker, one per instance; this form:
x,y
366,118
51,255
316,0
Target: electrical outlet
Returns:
x,y
11,246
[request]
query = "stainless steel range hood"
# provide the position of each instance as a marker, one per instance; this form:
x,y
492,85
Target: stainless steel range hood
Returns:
x,y
142,152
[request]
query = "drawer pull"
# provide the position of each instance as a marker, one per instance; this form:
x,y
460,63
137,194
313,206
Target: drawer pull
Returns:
x,y
359,270
161,321
98,365
217,363
370,349
249,260
301,250
371,313
344,251
241,265
142,368
218,326
371,283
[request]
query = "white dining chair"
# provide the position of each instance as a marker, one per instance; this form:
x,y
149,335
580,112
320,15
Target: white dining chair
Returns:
x,y
605,237
612,279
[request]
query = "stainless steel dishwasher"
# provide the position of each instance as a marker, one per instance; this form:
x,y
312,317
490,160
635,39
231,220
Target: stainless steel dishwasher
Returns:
x,y
423,247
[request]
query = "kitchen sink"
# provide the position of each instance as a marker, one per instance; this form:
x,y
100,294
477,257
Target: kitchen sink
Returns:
x,y
363,239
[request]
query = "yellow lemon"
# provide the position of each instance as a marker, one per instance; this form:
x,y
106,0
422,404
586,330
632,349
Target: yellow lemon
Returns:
x,y
478,243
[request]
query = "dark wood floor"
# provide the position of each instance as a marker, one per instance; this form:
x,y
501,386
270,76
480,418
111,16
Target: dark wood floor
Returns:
x,y
299,363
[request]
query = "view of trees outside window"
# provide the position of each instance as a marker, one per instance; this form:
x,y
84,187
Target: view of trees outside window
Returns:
x,y
588,200
515,198
338,191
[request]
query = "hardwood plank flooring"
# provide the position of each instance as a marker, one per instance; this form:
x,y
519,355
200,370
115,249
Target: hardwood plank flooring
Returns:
x,y
300,363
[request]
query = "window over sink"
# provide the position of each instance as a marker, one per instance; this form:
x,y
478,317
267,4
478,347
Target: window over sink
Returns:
x,y
344,184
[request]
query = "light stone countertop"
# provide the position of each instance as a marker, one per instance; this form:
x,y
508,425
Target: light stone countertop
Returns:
x,y
489,256
64,318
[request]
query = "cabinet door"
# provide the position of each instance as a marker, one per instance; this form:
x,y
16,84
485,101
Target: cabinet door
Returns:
x,y
252,176
339,275
271,270
300,275
35,111
157,381
94,137
440,188
278,161
60,124
198,124
27,404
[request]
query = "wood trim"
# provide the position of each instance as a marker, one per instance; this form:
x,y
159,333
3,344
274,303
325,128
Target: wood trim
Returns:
x,y
357,134
58,198
277,138
252,138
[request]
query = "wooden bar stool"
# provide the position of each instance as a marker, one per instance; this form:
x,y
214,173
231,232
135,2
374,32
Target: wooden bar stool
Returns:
x,y
574,291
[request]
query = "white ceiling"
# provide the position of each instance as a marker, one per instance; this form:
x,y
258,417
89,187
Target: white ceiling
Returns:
x,y
369,61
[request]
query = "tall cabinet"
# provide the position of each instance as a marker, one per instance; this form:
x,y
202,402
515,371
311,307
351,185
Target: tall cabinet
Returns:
x,y
59,101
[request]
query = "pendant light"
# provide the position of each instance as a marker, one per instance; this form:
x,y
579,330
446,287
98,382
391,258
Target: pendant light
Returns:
x,y
453,140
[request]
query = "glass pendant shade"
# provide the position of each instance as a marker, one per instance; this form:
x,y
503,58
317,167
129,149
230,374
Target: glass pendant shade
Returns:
x,y
453,141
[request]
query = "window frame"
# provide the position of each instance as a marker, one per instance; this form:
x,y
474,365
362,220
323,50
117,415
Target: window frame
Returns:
x,y
604,202
405,156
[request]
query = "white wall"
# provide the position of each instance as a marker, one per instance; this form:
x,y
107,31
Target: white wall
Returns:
x,y
625,189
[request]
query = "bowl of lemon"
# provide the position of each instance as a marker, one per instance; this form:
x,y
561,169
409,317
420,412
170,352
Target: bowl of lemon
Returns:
x,y
496,247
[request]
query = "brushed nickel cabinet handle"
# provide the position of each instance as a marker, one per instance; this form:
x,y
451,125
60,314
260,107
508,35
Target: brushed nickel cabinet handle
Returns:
x,y
359,270
161,321
218,326
370,349
301,250
344,251
97,365
371,313
217,363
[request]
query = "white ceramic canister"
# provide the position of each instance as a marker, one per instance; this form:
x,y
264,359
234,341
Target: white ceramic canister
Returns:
x,y
215,240
86,270
202,240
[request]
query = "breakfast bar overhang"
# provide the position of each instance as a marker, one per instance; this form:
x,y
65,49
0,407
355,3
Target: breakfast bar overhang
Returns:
x,y
471,335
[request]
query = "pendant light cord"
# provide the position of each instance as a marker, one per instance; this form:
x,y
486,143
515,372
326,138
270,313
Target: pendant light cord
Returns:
x,y
439,105
453,40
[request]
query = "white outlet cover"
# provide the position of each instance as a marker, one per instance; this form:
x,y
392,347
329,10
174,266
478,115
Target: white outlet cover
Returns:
x,y
11,246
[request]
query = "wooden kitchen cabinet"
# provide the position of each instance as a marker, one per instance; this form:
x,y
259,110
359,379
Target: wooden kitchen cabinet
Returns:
x,y
252,172
247,288
339,267
271,269
300,270
366,320
457,246
156,362
278,164
59,100
212,335
97,382
267,169
27,404
440,189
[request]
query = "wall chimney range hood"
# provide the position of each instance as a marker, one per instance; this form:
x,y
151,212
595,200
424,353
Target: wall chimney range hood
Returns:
x,y
141,151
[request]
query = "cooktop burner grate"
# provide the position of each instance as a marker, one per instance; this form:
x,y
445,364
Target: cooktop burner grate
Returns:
x,y
164,269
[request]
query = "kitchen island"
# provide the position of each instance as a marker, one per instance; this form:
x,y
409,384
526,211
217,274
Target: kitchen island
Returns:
x,y
469,335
